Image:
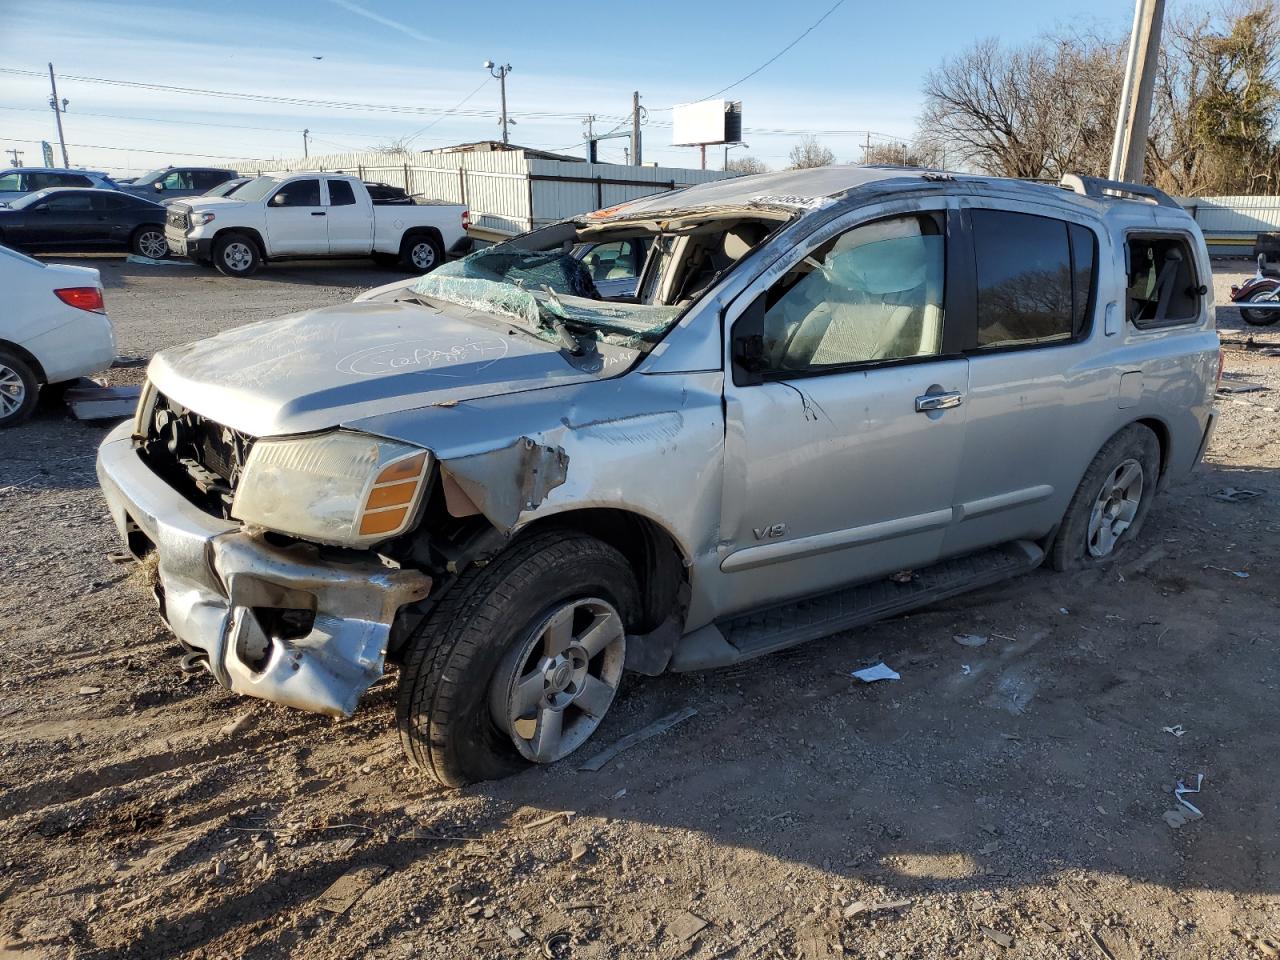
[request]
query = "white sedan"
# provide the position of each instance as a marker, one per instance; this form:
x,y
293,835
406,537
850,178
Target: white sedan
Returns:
x,y
53,328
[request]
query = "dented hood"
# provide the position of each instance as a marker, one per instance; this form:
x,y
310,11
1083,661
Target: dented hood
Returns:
x,y
335,365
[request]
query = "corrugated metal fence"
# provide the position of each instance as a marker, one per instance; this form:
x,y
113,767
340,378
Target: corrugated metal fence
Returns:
x,y
1230,224
507,192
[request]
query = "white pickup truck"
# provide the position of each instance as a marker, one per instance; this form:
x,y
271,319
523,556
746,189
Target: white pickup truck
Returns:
x,y
301,215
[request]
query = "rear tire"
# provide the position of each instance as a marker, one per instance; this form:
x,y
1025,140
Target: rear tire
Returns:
x,y
421,252
19,389
148,241
1107,509
461,664
236,255
1260,318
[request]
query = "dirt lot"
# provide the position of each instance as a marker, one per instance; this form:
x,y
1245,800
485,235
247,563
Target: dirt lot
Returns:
x,y
1013,796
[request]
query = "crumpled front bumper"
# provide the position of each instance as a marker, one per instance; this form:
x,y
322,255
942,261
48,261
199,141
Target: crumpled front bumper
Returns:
x,y
216,581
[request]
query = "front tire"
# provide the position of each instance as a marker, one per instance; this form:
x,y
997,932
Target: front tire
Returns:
x,y
519,662
148,241
1260,318
421,252
1107,509
19,389
236,255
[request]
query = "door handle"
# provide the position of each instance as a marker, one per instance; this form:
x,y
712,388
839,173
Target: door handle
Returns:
x,y
317,213
938,401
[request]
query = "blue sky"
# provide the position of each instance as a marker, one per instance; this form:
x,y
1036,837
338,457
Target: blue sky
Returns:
x,y
860,70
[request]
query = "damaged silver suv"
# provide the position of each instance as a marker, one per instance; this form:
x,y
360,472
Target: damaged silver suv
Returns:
x,y
674,434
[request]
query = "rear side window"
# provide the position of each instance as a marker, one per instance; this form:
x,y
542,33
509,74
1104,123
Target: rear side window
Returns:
x,y
70,202
340,194
1162,281
207,179
1035,277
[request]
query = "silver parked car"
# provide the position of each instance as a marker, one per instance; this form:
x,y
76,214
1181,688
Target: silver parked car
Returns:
x,y
515,488
17,182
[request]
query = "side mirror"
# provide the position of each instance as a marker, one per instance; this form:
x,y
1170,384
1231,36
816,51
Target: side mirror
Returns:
x,y
159,186
748,356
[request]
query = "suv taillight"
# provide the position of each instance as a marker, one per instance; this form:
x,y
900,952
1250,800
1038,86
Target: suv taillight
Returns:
x,y
466,220
1222,361
82,298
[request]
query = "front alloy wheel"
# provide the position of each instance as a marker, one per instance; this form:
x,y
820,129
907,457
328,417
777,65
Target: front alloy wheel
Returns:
x,y
554,688
519,661
1115,507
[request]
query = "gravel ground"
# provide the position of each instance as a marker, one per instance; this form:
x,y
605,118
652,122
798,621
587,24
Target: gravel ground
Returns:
x,y
1007,800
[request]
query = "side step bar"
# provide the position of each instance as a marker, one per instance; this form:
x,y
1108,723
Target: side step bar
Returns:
x,y
776,628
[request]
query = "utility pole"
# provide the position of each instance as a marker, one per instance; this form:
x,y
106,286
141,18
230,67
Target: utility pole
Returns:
x,y
589,123
304,143
16,156
1133,117
866,148
58,111
635,128
500,73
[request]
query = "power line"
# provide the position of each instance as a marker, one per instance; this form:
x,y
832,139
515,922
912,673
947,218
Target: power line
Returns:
x,y
194,123
176,153
453,109
813,26
293,101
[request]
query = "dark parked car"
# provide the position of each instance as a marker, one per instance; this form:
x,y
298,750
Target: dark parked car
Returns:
x,y
75,219
178,182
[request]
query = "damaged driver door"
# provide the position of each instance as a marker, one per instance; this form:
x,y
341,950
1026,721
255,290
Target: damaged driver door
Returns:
x,y
845,415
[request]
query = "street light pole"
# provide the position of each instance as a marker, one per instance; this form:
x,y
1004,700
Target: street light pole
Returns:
x,y
732,146
500,74
58,111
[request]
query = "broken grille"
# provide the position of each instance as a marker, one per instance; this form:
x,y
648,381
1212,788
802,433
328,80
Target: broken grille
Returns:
x,y
200,458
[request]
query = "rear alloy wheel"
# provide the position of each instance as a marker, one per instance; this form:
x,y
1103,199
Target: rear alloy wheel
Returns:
x,y
1108,507
19,389
422,254
235,255
1114,508
1261,318
150,242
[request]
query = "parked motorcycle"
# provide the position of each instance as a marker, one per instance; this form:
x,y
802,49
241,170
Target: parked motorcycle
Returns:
x,y
1258,289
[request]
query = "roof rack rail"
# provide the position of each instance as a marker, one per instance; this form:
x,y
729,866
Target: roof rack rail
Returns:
x,y
1101,189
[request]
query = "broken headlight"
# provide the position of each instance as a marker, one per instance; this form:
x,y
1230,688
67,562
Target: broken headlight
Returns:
x,y
340,488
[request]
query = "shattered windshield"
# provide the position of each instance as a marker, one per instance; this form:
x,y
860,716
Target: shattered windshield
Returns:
x,y
545,291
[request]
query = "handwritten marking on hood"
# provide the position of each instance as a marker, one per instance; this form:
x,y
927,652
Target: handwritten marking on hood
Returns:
x,y
423,355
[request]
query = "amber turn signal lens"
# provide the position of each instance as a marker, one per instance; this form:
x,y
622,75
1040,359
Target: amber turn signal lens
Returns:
x,y
384,521
407,469
392,495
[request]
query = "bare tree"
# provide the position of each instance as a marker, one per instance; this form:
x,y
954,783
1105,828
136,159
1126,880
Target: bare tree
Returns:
x,y
744,166
1035,111
1049,107
899,153
809,153
400,146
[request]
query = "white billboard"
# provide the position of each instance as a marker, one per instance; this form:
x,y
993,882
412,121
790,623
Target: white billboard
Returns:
x,y
707,121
